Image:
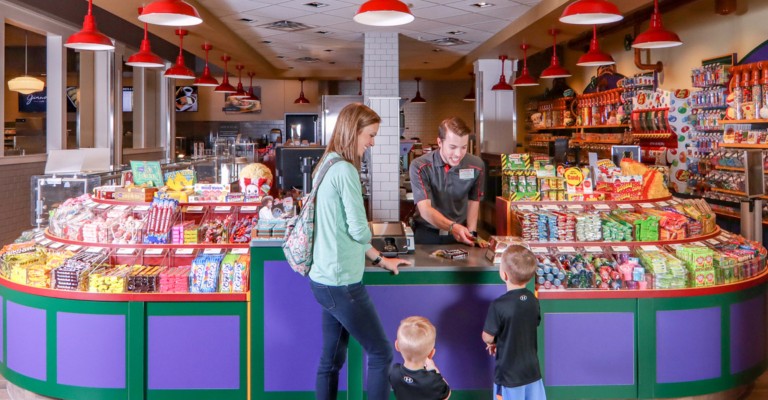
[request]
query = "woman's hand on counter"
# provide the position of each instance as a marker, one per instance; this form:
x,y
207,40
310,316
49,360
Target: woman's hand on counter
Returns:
x,y
391,264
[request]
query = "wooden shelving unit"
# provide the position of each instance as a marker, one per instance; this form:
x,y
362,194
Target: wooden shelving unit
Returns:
x,y
744,145
731,192
742,121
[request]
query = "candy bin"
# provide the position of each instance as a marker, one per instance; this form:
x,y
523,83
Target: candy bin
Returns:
x,y
174,280
204,275
73,274
247,218
108,280
191,218
607,275
665,270
549,275
700,263
632,272
183,257
17,261
155,258
579,274
215,227
240,283
163,214
39,275
143,279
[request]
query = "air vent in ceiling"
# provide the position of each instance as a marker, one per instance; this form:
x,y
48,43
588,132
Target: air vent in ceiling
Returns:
x,y
316,4
308,60
449,42
286,26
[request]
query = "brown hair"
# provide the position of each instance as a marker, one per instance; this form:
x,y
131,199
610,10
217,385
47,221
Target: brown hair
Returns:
x,y
519,264
352,120
455,125
416,338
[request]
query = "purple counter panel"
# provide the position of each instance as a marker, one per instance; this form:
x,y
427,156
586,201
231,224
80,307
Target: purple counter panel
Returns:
x,y
90,350
688,345
193,352
748,334
2,339
26,340
571,357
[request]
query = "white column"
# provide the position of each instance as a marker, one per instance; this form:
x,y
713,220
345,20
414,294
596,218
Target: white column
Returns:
x,y
495,110
381,90
56,106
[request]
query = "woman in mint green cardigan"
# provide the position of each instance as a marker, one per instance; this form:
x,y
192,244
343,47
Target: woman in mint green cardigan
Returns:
x,y
341,245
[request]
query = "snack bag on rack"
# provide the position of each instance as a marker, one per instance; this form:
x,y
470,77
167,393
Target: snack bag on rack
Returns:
x,y
653,181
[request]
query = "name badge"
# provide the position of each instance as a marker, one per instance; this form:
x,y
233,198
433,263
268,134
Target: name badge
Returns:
x,y
465,174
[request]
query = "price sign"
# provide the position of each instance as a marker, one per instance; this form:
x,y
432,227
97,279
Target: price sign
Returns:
x,y
539,250
222,208
212,251
74,247
153,252
525,207
46,242
550,207
90,203
650,248
57,245
566,249
602,207
676,246
195,209
121,207
39,238
575,207
699,244
620,249
141,208
239,251
126,252
103,206
248,209
184,252
626,206
94,250
593,249
713,242
663,203
646,205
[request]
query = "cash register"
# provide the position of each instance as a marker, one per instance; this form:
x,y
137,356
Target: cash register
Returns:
x,y
391,238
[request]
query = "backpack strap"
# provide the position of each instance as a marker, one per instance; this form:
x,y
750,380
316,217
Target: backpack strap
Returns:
x,y
319,178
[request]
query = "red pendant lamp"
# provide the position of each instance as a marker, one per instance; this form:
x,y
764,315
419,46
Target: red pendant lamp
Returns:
x,y
590,12
525,78
179,70
418,98
89,38
206,79
502,85
383,13
240,91
555,70
594,57
656,37
145,58
251,95
225,87
471,95
170,13
301,99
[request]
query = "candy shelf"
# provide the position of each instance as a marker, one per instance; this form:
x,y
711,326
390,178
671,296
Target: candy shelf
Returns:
x,y
726,191
744,146
742,121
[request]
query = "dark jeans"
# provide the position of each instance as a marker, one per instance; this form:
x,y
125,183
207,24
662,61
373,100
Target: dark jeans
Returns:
x,y
348,310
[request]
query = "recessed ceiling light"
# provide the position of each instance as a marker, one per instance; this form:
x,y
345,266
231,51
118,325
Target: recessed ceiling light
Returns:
x,y
323,32
266,41
437,50
332,62
456,32
426,62
328,50
316,4
449,41
245,20
483,4
280,56
286,26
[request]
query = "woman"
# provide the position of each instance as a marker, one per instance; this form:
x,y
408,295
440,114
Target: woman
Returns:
x,y
342,243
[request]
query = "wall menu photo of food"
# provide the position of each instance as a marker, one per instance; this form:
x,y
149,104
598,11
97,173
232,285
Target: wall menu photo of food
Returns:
x,y
236,105
186,98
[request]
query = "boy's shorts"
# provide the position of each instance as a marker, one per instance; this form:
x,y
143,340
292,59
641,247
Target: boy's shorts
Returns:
x,y
531,391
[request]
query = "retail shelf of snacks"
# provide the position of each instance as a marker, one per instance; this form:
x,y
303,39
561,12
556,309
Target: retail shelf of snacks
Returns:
x,y
744,146
731,192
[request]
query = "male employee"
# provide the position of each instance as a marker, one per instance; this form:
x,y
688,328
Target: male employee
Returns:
x,y
447,188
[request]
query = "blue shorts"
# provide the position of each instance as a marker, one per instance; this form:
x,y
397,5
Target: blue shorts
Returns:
x,y
531,391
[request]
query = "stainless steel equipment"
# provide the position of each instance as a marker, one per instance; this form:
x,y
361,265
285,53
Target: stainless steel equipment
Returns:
x,y
331,107
389,238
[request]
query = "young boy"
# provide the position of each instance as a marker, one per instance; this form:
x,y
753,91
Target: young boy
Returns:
x,y
510,330
418,377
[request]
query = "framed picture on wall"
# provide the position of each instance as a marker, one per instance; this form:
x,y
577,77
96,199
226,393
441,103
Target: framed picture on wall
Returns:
x,y
186,98
234,105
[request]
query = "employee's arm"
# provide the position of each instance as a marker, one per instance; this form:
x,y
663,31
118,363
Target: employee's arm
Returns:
x,y
473,212
460,232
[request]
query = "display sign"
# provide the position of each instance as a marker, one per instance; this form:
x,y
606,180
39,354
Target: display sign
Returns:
x,y
153,252
539,250
566,249
212,251
73,248
646,205
601,207
593,249
650,248
126,252
620,249
240,251
249,209
626,206
184,252
147,172
93,250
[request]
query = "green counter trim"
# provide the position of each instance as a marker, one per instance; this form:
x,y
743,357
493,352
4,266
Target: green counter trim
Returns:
x,y
195,394
591,392
259,255
137,360
432,278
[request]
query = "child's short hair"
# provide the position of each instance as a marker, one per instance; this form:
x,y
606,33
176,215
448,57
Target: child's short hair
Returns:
x,y
416,338
519,264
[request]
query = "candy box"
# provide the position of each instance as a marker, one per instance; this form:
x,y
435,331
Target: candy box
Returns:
x,y
135,194
240,275
511,162
703,277
226,273
204,274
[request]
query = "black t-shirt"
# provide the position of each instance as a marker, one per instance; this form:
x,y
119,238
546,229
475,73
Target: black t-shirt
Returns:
x,y
512,319
417,385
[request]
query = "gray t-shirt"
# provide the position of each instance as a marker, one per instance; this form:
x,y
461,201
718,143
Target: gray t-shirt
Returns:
x,y
448,188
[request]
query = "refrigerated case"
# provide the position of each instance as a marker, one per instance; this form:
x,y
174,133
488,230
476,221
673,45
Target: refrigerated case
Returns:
x,y
331,107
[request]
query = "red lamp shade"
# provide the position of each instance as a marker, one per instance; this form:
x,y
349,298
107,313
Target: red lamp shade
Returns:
x,y
301,99
240,91
179,70
525,78
383,13
555,70
594,57
170,13
206,79
656,37
589,12
418,98
502,85
145,58
89,38
225,87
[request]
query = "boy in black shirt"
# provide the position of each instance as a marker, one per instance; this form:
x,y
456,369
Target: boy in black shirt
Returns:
x,y
417,378
510,330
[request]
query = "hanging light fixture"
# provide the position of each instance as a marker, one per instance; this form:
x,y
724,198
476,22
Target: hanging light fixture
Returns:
x,y
251,95
301,99
471,95
170,13
89,38
179,70
240,91
656,37
589,12
145,58
383,13
418,98
594,57
555,70
206,79
225,87
525,78
25,84
502,85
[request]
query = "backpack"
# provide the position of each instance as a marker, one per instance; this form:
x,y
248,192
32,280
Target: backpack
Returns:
x,y
300,229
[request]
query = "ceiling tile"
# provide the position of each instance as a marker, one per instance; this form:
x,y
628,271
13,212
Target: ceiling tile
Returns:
x,y
330,5
279,13
436,12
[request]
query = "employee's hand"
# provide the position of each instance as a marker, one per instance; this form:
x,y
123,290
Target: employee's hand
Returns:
x,y
462,235
391,264
491,348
